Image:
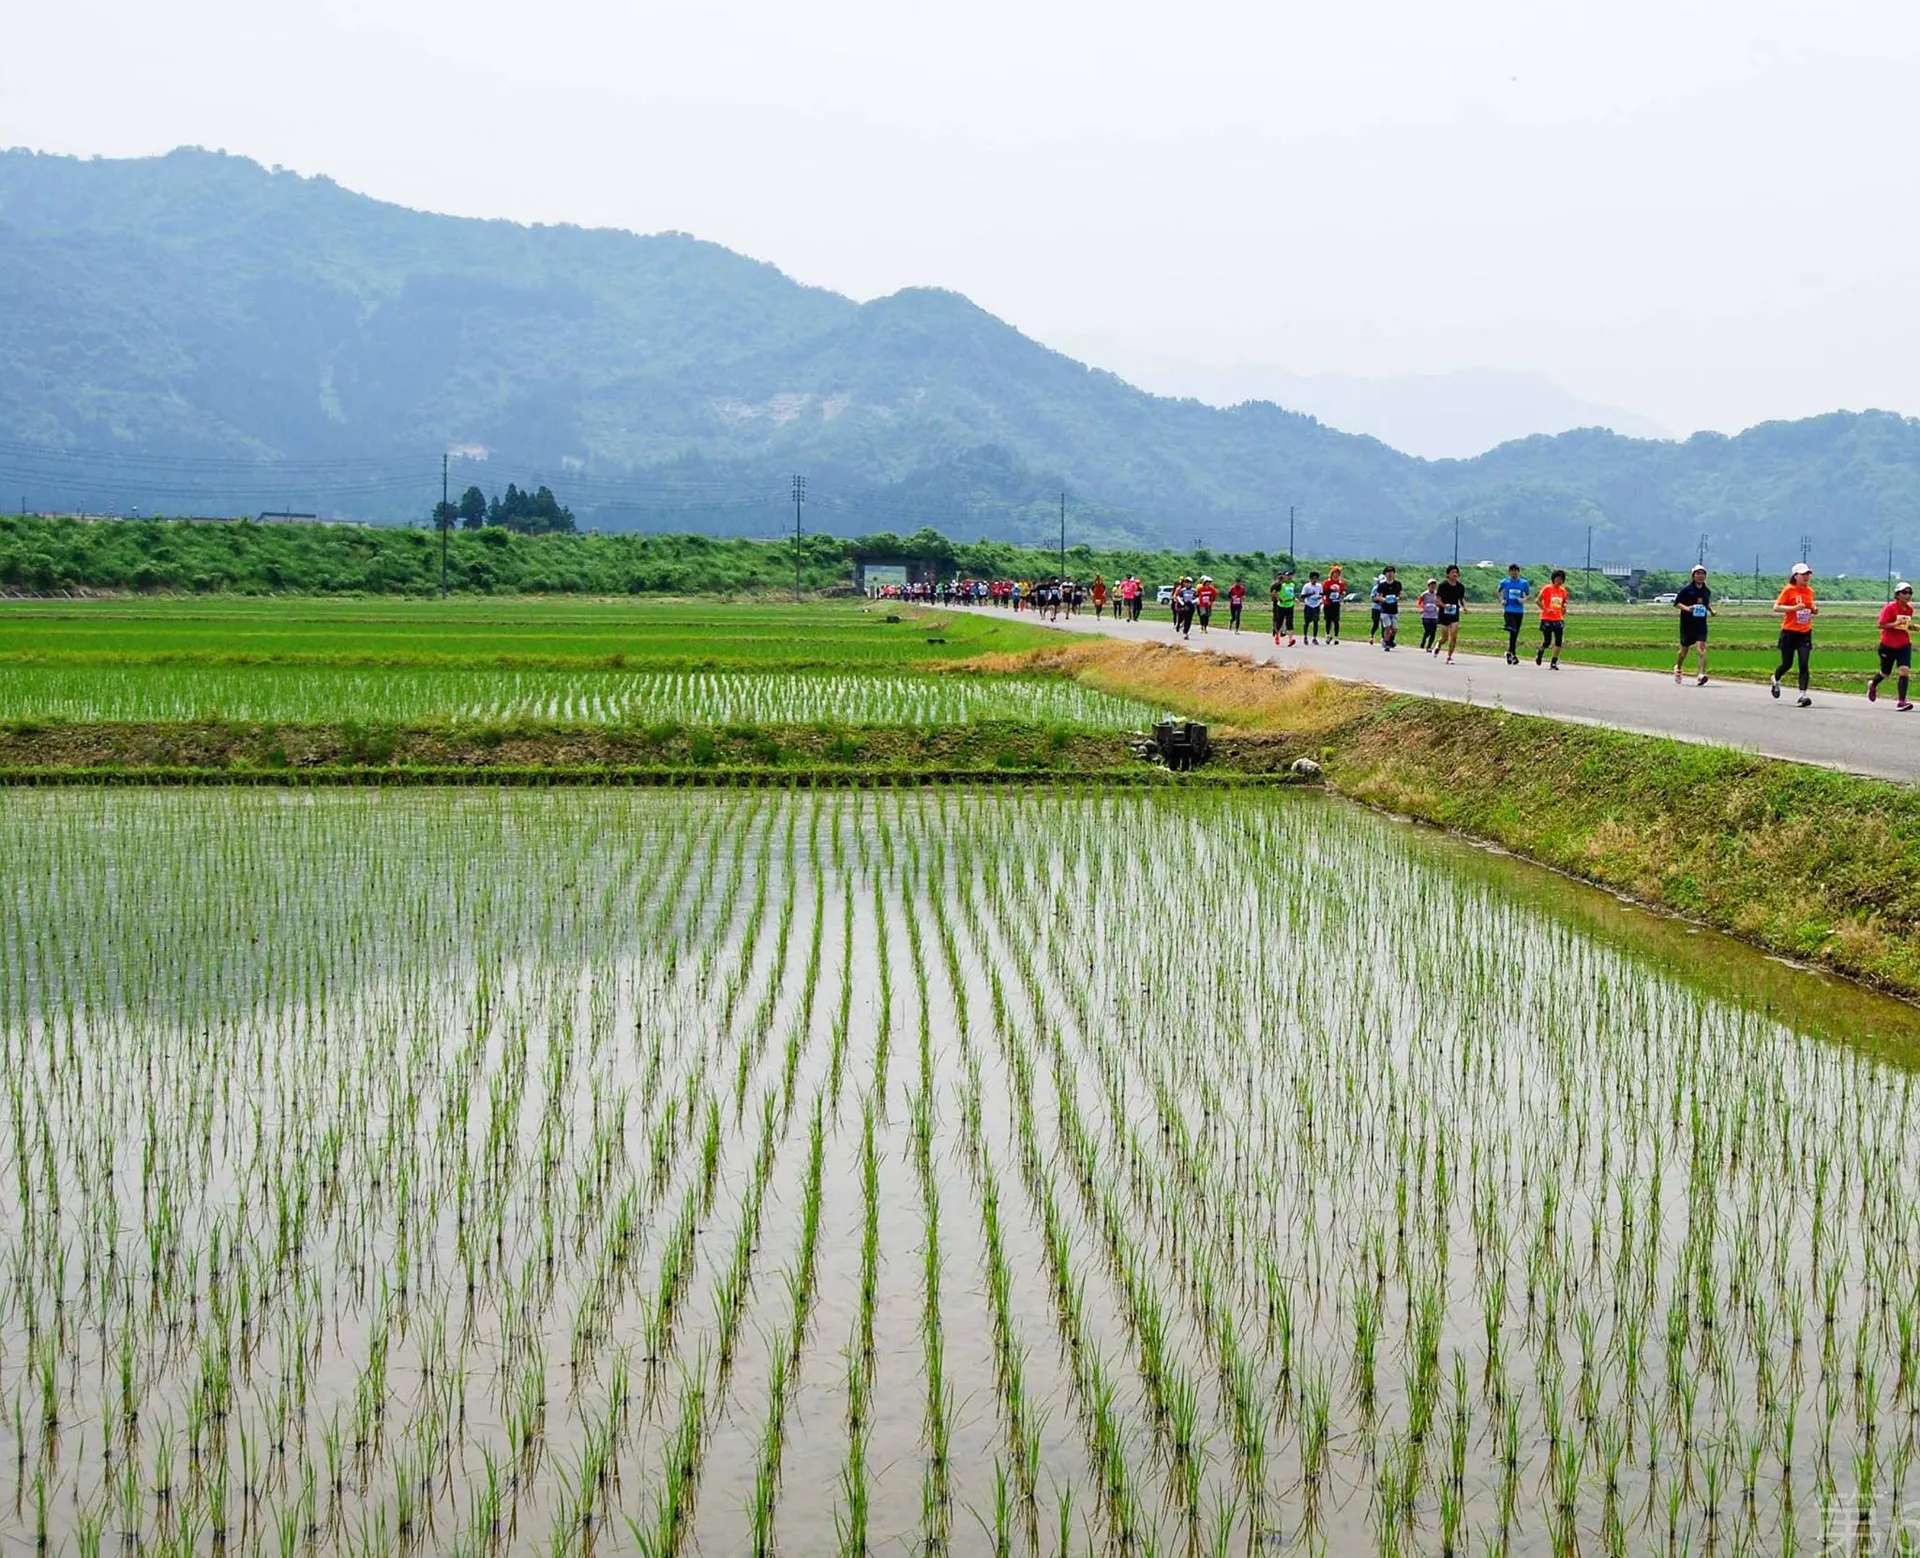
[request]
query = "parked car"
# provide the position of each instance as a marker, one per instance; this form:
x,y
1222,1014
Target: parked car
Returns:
x,y
1668,599
1164,595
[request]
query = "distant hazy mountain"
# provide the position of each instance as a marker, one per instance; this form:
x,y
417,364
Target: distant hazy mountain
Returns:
x,y
194,333
1439,416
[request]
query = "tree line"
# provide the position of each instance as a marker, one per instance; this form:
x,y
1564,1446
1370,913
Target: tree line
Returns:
x,y
525,513
46,554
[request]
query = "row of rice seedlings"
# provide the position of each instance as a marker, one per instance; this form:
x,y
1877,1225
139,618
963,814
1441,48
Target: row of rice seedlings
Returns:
x,y
327,695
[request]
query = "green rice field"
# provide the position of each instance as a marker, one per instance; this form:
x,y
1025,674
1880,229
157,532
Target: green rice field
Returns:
x,y
480,662
329,695
1016,1171
520,633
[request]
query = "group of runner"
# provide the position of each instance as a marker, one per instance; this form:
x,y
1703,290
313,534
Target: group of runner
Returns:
x,y
1797,609
1052,597
1311,611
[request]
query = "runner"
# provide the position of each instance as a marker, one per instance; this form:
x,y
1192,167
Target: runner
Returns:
x,y
1453,601
1896,644
1100,599
1136,593
1236,602
1373,631
1204,597
1336,594
1513,604
1184,598
1313,595
1797,612
1285,593
1553,618
1695,605
1386,605
1429,615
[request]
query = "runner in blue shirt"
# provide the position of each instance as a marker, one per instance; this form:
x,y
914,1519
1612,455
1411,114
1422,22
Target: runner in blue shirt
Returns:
x,y
1514,591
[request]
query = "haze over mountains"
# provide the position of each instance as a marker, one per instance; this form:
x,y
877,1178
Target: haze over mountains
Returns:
x,y
195,333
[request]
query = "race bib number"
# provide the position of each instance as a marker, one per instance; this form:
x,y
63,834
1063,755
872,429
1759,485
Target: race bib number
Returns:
x,y
1803,616
1699,611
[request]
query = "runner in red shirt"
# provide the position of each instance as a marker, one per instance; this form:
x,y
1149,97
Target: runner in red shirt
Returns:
x,y
1896,644
1553,618
1236,599
1204,597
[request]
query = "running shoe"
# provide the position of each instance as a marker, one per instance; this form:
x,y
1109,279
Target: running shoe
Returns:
x,y
1904,707
1537,654
1290,641
1676,676
1701,682
1803,701
1873,690
1553,665
1774,687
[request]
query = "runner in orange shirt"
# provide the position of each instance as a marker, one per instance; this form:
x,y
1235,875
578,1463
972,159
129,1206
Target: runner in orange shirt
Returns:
x,y
1797,611
1553,618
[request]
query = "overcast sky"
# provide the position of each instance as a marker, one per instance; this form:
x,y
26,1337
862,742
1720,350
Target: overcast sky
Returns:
x,y
1705,211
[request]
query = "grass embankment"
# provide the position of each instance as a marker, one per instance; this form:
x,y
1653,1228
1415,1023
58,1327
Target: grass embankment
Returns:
x,y
1815,865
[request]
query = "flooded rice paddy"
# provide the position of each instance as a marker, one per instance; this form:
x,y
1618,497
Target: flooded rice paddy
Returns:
x,y
1012,1171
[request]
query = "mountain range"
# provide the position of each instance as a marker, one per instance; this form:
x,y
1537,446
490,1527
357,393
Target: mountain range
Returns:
x,y
197,333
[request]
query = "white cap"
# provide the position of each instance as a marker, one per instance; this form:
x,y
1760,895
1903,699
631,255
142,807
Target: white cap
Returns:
x,y
1903,588
1799,568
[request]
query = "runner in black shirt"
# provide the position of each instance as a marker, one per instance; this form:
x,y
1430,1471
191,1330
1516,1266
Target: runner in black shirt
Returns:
x,y
1695,603
1386,600
1453,601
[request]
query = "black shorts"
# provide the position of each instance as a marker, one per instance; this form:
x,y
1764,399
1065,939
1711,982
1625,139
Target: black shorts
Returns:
x,y
1693,630
1890,657
1449,617
1793,641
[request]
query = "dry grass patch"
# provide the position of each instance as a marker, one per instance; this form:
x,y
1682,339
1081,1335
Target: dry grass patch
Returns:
x,y
1227,692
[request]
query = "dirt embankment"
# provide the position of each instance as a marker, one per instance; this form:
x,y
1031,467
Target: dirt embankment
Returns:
x,y
216,747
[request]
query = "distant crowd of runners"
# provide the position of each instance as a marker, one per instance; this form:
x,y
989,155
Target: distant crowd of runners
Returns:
x,y
1313,611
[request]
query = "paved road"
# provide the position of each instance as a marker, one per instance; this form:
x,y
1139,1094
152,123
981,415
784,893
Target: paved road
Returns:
x,y
1839,731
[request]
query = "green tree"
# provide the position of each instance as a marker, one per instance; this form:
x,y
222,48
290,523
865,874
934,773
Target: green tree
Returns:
x,y
473,509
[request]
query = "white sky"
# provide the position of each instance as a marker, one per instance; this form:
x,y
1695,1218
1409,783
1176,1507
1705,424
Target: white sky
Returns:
x,y
1702,210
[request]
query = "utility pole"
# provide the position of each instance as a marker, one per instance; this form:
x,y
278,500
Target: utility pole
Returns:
x,y
799,497
1292,561
1703,549
446,524
1456,540
1063,535
1806,546
1587,596
1756,575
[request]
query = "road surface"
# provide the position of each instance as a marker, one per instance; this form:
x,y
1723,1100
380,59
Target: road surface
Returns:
x,y
1839,731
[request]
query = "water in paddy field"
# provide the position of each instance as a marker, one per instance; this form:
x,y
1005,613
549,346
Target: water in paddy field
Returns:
x,y
1019,1170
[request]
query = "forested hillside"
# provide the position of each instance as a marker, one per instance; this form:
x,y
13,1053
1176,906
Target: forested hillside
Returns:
x,y
197,334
